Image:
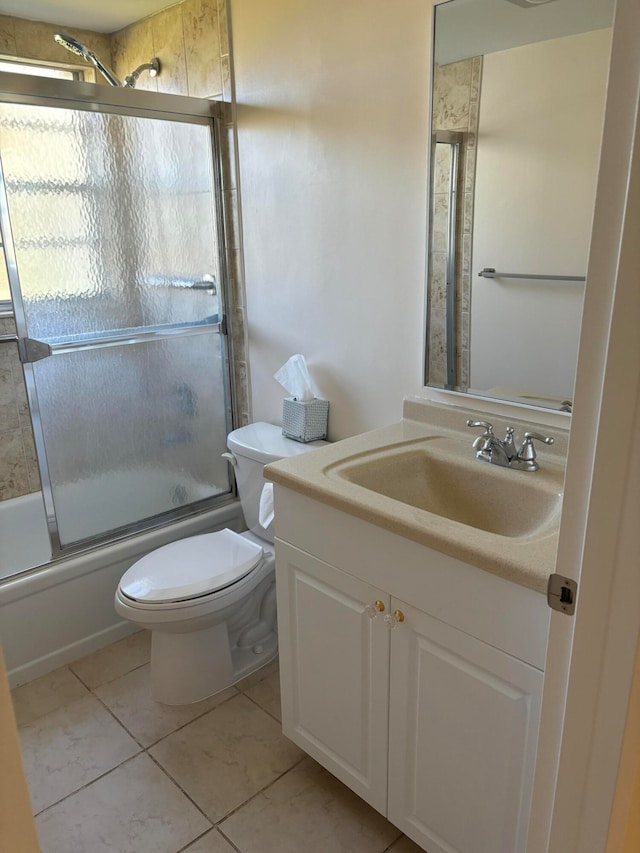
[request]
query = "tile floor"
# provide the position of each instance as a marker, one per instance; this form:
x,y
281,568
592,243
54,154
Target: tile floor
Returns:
x,y
111,770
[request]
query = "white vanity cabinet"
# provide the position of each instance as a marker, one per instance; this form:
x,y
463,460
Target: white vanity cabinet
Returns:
x,y
335,701
433,725
463,722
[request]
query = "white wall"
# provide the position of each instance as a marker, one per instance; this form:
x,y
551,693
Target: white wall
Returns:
x,y
540,127
332,134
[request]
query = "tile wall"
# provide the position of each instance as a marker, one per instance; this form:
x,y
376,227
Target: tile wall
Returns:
x,y
455,108
18,466
191,40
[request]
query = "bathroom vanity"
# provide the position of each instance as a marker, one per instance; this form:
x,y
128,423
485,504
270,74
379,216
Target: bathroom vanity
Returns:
x,y
413,644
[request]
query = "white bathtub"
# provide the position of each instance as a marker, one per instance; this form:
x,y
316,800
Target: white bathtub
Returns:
x,y
54,614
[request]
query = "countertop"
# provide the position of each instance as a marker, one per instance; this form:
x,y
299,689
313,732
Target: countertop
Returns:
x,y
526,558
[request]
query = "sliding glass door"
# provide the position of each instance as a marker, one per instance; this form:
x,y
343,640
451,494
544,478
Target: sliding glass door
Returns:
x,y
111,218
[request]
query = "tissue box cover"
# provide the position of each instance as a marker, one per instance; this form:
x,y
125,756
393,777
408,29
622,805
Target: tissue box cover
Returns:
x,y
305,421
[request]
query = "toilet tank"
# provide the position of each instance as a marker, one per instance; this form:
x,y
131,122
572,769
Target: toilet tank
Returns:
x,y
254,446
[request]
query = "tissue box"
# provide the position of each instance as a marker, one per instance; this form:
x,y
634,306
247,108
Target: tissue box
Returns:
x,y
305,421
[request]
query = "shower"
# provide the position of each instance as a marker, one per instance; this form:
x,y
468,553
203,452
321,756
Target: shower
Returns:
x,y
80,49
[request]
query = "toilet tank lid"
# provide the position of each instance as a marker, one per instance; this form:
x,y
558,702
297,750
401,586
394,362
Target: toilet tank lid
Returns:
x,y
265,443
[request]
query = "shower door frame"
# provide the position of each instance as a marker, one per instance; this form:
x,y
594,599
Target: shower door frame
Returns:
x,y
67,94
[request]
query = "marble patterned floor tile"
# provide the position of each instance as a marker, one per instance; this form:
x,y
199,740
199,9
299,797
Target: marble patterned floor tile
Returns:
x,y
113,661
212,842
310,810
405,845
70,747
266,693
259,675
129,699
227,756
46,694
134,809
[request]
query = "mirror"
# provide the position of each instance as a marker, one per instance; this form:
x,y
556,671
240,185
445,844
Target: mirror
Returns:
x,y
517,111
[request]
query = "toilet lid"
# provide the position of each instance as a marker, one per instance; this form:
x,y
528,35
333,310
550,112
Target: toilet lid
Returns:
x,y
191,568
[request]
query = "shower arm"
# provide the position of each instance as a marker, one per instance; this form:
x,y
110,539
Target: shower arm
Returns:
x,y
152,67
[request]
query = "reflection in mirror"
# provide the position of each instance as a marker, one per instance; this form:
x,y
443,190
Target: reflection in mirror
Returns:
x,y
517,112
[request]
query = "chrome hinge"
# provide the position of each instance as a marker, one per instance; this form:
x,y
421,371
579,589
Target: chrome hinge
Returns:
x,y
562,593
30,350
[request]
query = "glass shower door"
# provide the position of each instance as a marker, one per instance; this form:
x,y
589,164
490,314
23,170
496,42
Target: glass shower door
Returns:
x,y
111,222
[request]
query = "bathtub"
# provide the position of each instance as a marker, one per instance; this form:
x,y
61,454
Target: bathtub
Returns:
x,y
55,613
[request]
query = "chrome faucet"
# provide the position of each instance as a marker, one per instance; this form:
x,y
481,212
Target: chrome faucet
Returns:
x,y
491,449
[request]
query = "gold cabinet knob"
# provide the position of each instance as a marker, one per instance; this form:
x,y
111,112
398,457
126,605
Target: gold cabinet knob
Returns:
x,y
394,619
372,610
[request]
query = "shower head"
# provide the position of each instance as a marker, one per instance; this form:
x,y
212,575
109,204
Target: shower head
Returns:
x,y
75,46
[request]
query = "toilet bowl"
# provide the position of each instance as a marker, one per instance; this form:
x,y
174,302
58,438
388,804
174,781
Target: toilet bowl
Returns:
x,y
210,600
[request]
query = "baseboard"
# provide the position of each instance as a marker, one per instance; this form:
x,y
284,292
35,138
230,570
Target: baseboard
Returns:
x,y
67,654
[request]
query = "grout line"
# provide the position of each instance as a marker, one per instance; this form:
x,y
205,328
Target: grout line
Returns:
x,y
228,840
199,717
261,791
120,723
393,843
180,788
258,705
193,840
86,785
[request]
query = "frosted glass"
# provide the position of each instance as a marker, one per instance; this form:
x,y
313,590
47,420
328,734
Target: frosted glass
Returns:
x,y
152,427
113,219
114,226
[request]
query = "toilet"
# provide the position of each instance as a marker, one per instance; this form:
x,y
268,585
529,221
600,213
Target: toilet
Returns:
x,y
210,600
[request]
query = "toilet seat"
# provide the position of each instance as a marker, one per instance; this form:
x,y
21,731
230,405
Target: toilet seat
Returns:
x,y
190,569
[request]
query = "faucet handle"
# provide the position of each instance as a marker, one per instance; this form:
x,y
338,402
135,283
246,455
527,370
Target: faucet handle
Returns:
x,y
487,427
482,441
527,453
535,436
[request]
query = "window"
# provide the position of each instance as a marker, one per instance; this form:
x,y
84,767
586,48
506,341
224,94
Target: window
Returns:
x,y
35,69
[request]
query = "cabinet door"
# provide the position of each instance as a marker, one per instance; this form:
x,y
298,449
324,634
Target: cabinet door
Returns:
x,y
462,739
334,670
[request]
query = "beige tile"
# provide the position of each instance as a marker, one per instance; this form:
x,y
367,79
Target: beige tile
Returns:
x,y
134,809
212,842
451,95
33,472
405,845
308,809
129,699
168,46
14,477
202,48
46,694
266,693
8,404
259,675
227,756
233,223
7,36
34,40
223,27
227,79
238,321
241,385
438,281
70,747
132,47
440,223
476,77
113,661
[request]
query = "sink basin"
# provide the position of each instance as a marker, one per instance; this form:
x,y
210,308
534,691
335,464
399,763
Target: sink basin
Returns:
x,y
441,476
